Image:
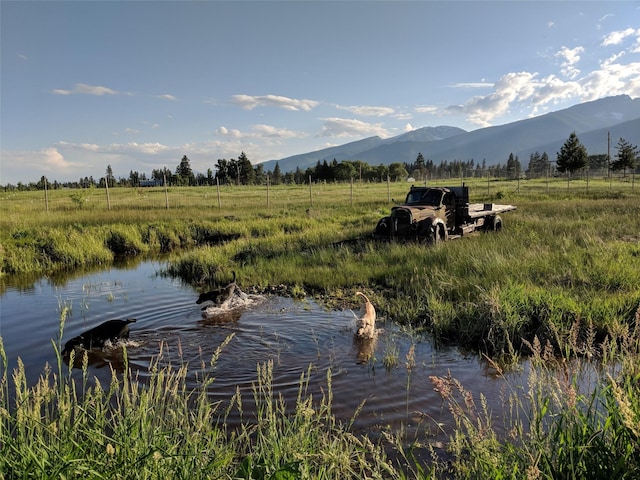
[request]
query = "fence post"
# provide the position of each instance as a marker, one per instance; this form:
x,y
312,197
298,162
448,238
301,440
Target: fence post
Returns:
x,y
351,193
310,197
166,192
218,189
106,186
587,172
488,178
46,195
267,191
548,168
388,189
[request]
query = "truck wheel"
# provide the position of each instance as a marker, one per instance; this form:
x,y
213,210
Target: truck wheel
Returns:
x,y
495,224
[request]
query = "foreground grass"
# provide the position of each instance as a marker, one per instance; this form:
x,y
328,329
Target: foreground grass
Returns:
x,y
66,428
70,426
554,428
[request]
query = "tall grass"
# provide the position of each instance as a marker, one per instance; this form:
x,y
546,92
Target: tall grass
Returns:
x,y
555,427
69,426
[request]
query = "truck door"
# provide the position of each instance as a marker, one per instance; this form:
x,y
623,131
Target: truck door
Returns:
x,y
450,209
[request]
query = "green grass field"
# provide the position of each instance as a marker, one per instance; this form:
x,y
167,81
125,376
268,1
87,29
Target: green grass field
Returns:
x,y
560,282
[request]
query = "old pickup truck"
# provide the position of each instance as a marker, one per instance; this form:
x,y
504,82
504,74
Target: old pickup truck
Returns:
x,y
436,214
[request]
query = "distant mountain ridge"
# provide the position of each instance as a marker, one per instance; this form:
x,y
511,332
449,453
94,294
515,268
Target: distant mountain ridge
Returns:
x,y
592,121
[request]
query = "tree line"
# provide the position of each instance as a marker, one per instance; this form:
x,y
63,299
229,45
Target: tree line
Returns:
x,y
572,157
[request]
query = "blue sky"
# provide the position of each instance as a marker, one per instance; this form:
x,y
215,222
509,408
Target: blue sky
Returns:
x,y
137,85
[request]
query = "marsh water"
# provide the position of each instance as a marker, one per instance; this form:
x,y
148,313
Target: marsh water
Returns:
x,y
298,336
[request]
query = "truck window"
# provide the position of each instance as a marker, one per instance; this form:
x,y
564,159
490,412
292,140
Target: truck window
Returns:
x,y
432,197
414,196
450,199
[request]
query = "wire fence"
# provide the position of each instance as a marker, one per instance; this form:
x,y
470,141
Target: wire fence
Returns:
x,y
319,194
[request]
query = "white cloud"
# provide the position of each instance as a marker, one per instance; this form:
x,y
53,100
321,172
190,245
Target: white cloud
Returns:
x,y
529,91
616,38
150,148
473,85
166,96
483,109
571,57
368,111
260,131
273,132
49,162
612,79
83,89
427,109
225,132
92,147
249,102
346,127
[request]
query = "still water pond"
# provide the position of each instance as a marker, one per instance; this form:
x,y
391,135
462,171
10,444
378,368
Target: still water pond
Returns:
x,y
298,336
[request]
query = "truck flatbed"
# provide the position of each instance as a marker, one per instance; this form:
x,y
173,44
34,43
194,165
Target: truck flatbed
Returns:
x,y
477,210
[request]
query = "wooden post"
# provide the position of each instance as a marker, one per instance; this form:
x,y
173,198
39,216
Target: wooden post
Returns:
x,y
587,172
488,186
548,168
218,188
351,193
166,192
46,195
267,191
310,197
106,186
388,189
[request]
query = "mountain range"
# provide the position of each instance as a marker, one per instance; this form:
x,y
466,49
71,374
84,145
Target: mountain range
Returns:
x,y
593,122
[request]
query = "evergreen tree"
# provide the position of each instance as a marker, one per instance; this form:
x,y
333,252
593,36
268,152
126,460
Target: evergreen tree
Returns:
x,y
572,156
223,171
538,165
276,179
260,175
626,156
598,162
111,181
246,173
184,173
134,178
420,166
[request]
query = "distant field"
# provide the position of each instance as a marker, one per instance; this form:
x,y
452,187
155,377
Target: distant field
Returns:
x,y
93,204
